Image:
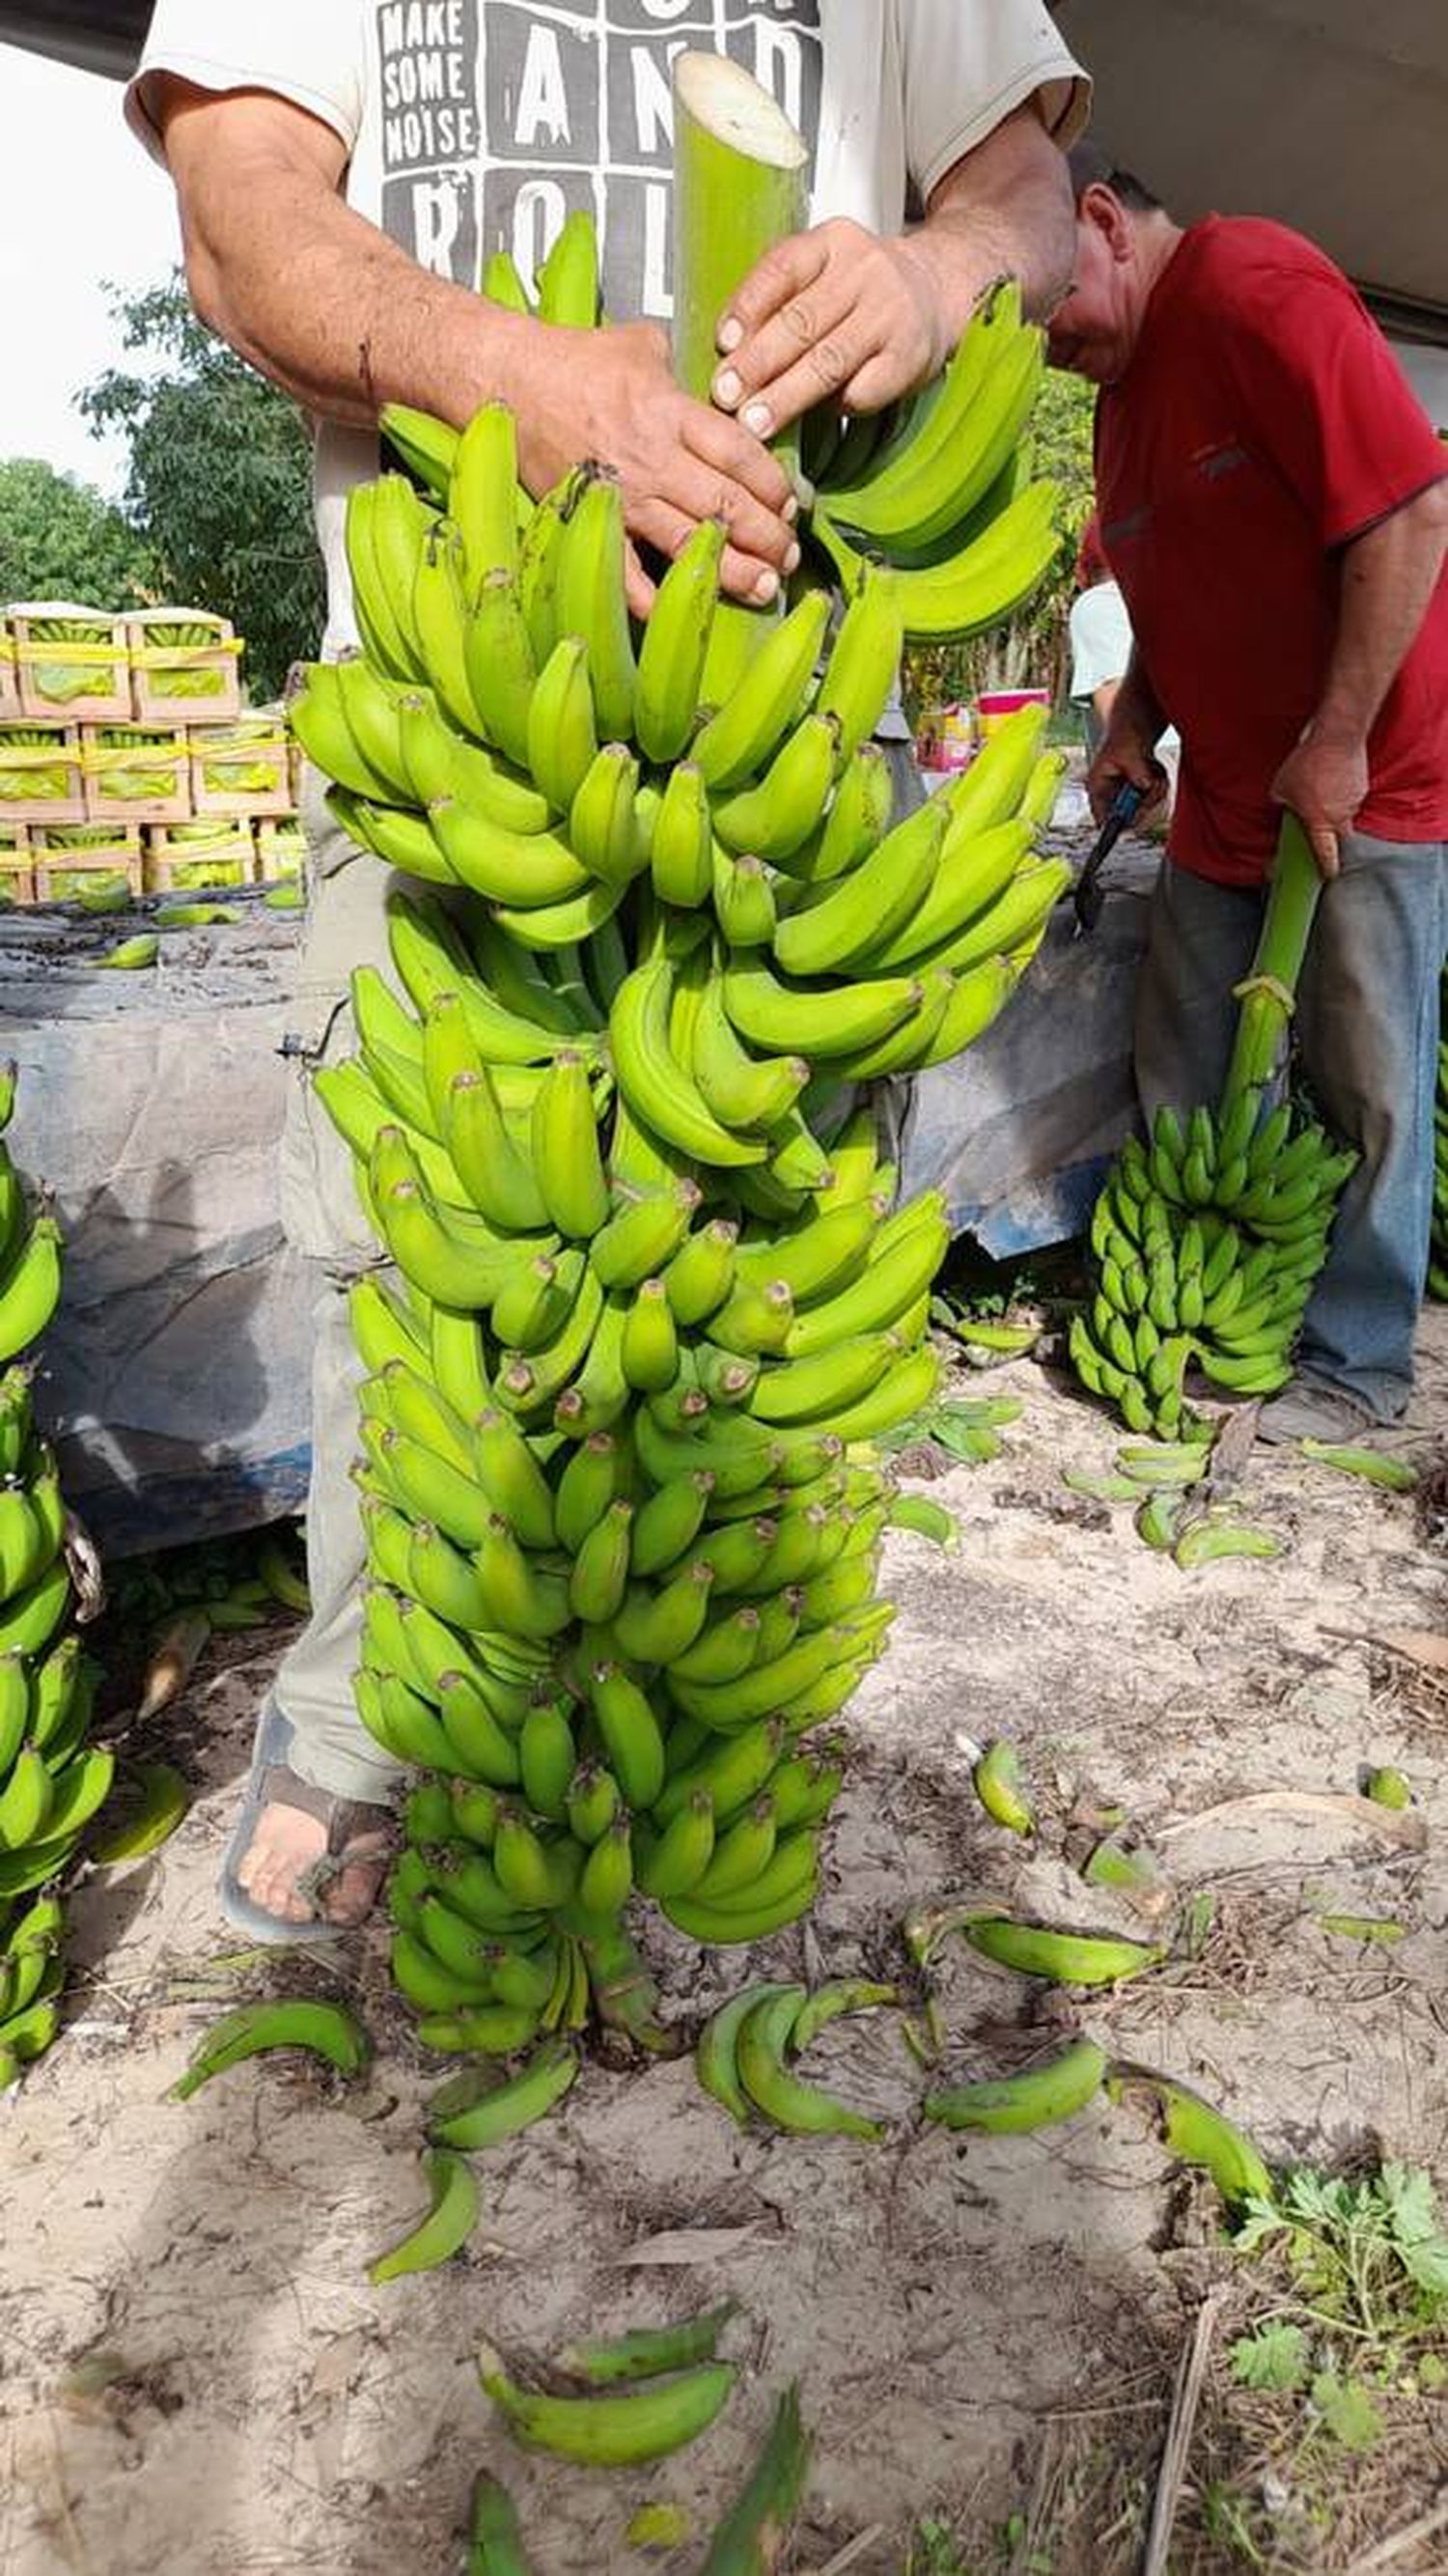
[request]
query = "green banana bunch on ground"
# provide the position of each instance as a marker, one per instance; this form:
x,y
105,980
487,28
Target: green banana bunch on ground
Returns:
x,y
651,1304
51,1783
1209,1234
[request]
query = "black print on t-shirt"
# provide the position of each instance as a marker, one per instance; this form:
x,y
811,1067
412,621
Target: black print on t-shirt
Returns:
x,y
499,117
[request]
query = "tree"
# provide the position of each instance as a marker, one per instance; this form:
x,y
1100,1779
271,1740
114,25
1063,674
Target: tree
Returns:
x,y
219,482
1030,648
60,539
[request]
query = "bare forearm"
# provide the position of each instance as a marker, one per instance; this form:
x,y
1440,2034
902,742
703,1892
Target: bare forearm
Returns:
x,y
1137,703
1388,577
335,313
1005,211
331,310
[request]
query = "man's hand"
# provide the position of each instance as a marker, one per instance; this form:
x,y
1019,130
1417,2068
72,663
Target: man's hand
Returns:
x,y
834,312
1126,757
609,394
1324,781
351,323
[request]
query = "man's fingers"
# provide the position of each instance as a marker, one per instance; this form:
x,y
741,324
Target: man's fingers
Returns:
x,y
705,491
822,320
637,585
732,451
744,576
789,269
1324,847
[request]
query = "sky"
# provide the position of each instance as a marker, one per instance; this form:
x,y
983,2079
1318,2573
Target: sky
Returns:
x,y
99,210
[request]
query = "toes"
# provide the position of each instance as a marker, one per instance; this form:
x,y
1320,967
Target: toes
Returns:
x,y
353,1892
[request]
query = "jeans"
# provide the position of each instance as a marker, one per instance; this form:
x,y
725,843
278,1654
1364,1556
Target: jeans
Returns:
x,y
1366,1029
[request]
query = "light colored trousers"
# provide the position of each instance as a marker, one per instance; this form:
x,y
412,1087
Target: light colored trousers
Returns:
x,y
1367,1036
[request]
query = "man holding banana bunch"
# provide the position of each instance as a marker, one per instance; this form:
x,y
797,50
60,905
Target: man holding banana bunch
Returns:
x,y
345,172
1274,503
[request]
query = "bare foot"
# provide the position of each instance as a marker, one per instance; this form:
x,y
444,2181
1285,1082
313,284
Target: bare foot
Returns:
x,y
279,1869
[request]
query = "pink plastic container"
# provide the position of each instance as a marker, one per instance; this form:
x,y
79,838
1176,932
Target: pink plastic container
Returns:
x,y
994,705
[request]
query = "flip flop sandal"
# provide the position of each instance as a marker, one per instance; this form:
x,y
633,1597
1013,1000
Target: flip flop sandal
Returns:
x,y
272,1782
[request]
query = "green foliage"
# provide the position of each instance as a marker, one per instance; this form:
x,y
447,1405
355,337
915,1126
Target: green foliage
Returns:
x,y
59,539
1275,2357
1031,648
1347,2411
1365,2253
219,484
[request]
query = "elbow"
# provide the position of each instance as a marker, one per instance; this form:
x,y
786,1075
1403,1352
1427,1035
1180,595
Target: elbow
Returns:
x,y
203,276
1051,255
1434,508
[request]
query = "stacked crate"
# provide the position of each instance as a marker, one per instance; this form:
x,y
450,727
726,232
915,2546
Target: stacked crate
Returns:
x,y
125,754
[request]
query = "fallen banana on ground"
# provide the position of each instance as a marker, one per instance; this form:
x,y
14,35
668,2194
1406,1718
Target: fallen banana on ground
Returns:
x,y
1037,2098
754,2534
611,2431
323,2029
451,2216
1198,2133
744,2052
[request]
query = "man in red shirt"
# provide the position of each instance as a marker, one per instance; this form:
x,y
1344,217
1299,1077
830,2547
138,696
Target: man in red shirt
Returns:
x,y
1273,503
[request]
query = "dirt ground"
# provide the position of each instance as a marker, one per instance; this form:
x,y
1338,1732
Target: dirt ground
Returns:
x,y
197,2379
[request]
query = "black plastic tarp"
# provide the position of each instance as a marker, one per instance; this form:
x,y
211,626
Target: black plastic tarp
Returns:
x,y
99,39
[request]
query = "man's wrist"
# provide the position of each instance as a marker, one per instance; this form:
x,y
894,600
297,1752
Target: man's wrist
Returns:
x,y
1339,726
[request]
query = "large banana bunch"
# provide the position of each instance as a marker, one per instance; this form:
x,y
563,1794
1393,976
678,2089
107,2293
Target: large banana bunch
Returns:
x,y
50,1784
622,1505
1208,1237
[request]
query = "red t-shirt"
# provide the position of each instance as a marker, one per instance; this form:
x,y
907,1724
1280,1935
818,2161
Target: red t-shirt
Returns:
x,y
1263,423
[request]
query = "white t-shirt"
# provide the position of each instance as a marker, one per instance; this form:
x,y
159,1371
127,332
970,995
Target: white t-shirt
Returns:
x,y
476,125
1100,633
1100,638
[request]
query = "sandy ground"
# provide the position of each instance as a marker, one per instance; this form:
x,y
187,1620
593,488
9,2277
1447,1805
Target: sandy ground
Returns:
x,y
981,2329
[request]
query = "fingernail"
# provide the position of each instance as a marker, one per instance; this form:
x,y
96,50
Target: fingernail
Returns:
x,y
727,387
758,417
766,588
729,333
791,510
791,560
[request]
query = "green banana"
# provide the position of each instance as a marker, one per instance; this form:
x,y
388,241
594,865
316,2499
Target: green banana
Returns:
x,y
451,2217
648,2351
1036,2099
328,2030
613,2431
788,2103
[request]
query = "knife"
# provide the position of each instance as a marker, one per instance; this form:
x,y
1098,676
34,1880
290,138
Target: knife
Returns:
x,y
1089,895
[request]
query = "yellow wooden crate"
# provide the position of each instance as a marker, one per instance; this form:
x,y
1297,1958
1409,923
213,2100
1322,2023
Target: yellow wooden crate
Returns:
x,y
281,849
70,860
242,770
136,773
73,664
215,854
41,780
184,665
